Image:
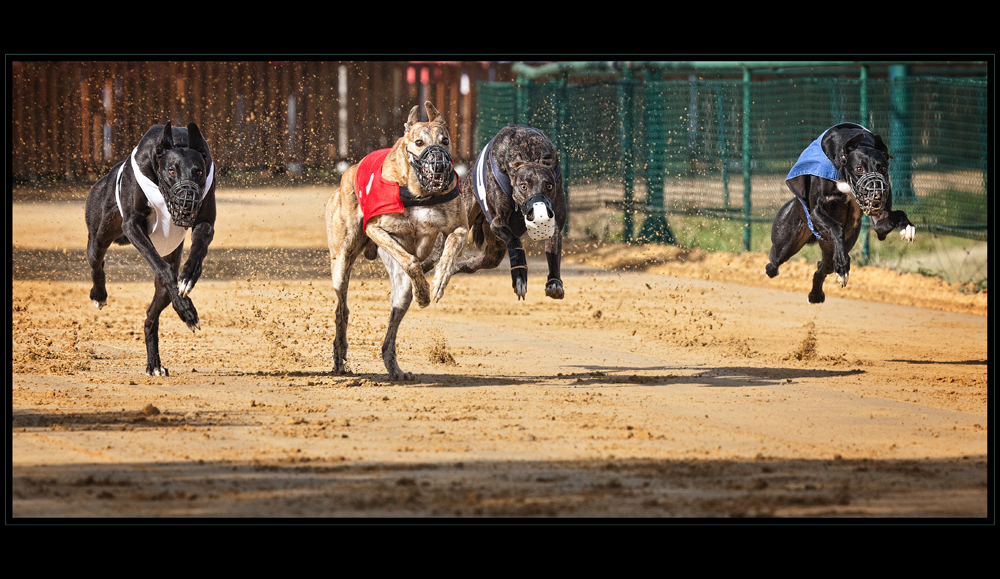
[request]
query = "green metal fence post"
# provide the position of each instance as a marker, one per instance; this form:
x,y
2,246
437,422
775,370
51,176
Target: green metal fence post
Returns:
x,y
624,108
521,98
746,159
561,141
900,133
655,228
865,222
723,148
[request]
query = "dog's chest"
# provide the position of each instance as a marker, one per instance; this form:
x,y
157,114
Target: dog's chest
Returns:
x,y
429,221
417,228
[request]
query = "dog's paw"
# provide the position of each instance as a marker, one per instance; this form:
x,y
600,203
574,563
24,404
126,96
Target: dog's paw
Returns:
x,y
187,312
421,290
817,297
439,285
842,279
400,376
519,281
422,296
554,289
184,286
770,270
520,288
157,371
908,233
100,305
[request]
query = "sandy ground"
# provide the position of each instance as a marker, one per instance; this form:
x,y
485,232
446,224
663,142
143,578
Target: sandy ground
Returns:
x,y
666,384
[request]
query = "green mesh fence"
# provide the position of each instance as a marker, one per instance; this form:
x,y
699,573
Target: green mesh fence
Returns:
x,y
652,148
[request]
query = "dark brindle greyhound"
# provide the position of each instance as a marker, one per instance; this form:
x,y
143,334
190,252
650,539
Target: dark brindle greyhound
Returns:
x,y
150,200
843,174
515,188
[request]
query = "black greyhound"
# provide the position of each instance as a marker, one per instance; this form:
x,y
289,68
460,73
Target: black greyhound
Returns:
x,y
151,199
841,176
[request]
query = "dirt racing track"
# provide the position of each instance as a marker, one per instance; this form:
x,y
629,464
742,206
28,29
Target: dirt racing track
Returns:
x,y
668,383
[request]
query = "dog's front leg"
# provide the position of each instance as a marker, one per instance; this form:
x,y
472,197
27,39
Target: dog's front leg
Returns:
x,y
453,246
408,262
896,219
201,237
135,230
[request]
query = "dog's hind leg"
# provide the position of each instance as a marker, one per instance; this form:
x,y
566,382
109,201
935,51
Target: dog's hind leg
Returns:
x,y
432,259
789,234
151,328
97,248
104,226
400,297
553,254
493,246
553,245
340,267
823,268
489,258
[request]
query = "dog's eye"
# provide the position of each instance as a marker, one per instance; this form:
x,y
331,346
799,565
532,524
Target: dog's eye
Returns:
x,y
548,187
445,141
419,142
524,187
860,169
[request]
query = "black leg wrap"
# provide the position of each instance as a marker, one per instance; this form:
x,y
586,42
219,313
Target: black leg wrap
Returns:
x,y
517,258
518,271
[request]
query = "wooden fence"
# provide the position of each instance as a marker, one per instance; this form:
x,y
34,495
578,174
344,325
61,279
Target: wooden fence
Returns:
x,y
75,119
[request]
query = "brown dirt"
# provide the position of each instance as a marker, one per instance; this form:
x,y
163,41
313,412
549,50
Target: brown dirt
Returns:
x,y
668,383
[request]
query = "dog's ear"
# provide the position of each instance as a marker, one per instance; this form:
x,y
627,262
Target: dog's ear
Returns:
x,y
195,141
432,113
413,119
849,146
853,142
836,149
166,140
880,146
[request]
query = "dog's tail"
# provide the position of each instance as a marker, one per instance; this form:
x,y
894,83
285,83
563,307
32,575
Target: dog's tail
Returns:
x,y
371,250
478,236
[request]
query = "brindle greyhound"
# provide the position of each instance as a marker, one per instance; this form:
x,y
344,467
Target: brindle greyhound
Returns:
x,y
515,188
402,228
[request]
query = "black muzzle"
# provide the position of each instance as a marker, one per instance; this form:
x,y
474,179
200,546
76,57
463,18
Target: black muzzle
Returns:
x,y
871,191
183,201
433,168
